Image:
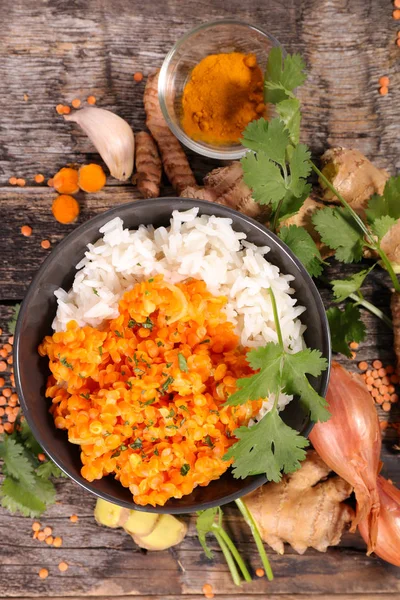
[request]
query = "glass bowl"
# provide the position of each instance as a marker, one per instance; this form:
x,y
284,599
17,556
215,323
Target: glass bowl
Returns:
x,y
226,35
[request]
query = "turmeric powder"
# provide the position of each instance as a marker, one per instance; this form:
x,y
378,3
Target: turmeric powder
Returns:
x,y
224,93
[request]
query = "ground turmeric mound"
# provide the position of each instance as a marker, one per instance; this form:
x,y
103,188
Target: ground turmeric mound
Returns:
x,y
224,93
145,396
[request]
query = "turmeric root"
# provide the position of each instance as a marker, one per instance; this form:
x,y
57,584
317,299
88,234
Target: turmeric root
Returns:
x,y
353,175
148,530
305,509
175,163
148,166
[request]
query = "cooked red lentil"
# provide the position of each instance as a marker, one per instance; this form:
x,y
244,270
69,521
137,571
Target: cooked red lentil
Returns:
x,y
144,395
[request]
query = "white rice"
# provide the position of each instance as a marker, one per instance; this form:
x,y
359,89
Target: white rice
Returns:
x,y
204,247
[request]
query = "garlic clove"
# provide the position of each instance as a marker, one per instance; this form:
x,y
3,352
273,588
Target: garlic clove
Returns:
x,y
112,137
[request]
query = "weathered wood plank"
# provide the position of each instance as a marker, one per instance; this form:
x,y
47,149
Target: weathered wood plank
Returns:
x,y
57,52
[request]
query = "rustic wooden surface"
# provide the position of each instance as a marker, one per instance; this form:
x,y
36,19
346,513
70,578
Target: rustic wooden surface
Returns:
x,y
53,51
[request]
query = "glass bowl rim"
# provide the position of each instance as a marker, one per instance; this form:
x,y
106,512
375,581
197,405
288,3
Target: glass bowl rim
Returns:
x,y
178,132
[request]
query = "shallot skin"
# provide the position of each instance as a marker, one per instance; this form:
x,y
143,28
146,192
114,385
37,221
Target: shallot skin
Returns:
x,y
350,443
388,538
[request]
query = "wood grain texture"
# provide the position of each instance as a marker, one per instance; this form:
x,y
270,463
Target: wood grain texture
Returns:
x,y
54,51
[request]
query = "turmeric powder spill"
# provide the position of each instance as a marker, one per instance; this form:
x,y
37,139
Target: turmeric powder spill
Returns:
x,y
144,395
224,93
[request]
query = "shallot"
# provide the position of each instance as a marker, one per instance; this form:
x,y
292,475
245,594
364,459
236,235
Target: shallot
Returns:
x,y
350,444
388,539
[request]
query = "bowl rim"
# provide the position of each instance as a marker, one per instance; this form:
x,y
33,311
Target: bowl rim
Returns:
x,y
179,133
253,482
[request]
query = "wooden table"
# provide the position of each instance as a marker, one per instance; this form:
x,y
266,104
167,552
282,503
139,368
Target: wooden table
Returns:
x,y
52,51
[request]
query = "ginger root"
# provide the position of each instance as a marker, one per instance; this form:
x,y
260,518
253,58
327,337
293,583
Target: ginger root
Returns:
x,y
110,515
305,509
148,166
353,175
226,186
168,531
148,530
175,163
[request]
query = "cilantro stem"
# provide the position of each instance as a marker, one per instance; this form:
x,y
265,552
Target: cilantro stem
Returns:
x,y
232,548
248,517
362,226
276,215
276,318
228,557
372,309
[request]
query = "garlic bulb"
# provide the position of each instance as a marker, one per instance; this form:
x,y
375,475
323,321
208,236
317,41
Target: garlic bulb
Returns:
x,y
112,137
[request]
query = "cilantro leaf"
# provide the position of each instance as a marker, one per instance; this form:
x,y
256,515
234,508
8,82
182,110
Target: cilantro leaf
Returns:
x,y
268,447
15,497
382,225
291,203
14,317
300,168
269,360
281,78
204,523
295,383
388,204
279,370
49,469
270,137
342,288
303,246
346,326
16,462
289,112
339,232
182,363
264,178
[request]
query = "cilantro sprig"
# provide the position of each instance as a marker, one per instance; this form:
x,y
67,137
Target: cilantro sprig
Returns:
x,y
26,487
270,446
277,168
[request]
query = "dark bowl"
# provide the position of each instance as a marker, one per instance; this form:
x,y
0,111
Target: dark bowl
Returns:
x,y
38,310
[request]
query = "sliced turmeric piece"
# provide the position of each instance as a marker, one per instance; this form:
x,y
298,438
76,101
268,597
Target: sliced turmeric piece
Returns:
x,y
66,181
91,178
65,209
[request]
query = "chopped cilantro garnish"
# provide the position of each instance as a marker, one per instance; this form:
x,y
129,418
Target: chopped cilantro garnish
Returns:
x,y
209,441
137,444
166,384
182,363
185,469
64,362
